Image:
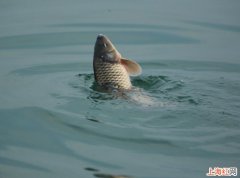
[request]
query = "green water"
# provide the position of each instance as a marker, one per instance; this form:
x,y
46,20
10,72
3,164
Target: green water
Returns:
x,y
181,118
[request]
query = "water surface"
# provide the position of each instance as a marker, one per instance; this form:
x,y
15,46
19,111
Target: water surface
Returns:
x,y
181,119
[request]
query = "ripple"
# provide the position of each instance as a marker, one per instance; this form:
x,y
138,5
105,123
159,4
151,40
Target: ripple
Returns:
x,y
120,25
217,26
186,65
58,39
146,90
188,99
150,82
109,176
48,69
157,84
123,139
168,90
97,173
91,169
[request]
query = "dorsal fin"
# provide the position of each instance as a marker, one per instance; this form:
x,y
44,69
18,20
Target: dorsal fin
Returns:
x,y
132,67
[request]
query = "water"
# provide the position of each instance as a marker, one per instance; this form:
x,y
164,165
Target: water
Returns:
x,y
182,118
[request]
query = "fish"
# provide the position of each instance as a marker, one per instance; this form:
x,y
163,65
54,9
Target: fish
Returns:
x,y
111,70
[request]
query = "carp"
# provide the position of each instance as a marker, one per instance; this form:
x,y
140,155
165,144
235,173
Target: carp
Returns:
x,y
111,70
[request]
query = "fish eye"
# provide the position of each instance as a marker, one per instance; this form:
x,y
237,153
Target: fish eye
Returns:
x,y
103,45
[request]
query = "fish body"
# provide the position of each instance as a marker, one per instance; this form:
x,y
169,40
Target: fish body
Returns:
x,y
111,75
110,69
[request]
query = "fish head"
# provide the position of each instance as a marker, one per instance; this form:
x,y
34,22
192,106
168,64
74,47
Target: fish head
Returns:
x,y
105,51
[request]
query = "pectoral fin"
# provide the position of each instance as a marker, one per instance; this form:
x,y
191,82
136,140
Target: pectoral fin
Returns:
x,y
132,67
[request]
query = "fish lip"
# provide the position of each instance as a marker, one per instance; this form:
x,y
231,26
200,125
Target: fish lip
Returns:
x,y
100,36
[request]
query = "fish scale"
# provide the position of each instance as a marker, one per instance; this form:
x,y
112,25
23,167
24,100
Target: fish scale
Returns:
x,y
112,74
